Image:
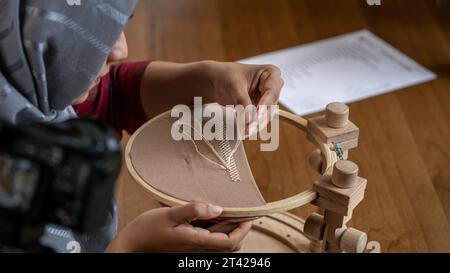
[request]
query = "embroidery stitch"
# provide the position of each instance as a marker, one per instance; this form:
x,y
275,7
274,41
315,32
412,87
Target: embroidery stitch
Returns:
x,y
227,154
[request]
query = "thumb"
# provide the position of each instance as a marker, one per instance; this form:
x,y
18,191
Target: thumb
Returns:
x,y
195,211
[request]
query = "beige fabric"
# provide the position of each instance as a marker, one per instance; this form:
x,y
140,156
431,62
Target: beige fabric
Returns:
x,y
175,168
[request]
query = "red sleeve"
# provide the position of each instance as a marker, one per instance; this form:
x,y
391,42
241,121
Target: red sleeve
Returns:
x,y
116,100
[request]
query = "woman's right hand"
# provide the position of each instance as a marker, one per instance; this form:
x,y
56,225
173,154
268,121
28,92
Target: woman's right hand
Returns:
x,y
168,230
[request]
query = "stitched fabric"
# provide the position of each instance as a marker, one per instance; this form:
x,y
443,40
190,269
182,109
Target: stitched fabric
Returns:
x,y
175,168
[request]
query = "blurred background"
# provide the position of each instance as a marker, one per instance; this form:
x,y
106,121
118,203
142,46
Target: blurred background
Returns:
x,y
404,149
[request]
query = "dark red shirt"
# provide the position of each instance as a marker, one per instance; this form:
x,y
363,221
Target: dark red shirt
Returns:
x,y
116,100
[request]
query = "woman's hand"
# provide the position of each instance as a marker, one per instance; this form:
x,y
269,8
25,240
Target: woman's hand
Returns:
x,y
168,84
242,84
168,230
247,85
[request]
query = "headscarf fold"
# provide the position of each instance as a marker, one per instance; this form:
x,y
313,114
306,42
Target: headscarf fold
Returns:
x,y
51,51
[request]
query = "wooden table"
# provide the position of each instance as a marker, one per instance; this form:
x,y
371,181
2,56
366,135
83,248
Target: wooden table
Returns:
x,y
404,144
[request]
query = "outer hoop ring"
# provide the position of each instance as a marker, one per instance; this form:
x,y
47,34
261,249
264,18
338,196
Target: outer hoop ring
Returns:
x,y
298,200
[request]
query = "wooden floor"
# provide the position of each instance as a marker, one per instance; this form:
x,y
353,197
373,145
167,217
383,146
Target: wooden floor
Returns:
x,y
404,145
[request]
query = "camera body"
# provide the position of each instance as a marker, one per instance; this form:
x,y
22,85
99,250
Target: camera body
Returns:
x,y
62,174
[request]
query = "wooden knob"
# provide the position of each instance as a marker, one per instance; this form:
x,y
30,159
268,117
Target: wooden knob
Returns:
x,y
315,160
335,246
315,246
339,232
353,241
313,226
337,115
345,174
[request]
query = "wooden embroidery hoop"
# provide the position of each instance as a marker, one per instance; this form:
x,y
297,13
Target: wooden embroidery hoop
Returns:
x,y
286,204
336,194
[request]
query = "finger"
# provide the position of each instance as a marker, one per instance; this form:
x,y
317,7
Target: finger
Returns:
x,y
270,87
270,97
203,240
233,241
191,212
240,232
255,95
202,231
263,119
238,248
243,98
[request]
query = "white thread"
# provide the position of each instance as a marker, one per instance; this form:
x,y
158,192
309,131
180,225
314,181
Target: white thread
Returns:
x,y
229,164
228,153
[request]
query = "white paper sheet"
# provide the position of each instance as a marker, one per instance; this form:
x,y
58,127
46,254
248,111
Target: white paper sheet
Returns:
x,y
345,68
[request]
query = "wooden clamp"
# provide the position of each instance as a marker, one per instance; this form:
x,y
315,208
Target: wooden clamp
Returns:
x,y
339,192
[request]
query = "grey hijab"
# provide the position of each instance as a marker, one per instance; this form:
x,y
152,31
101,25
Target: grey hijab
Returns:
x,y
50,52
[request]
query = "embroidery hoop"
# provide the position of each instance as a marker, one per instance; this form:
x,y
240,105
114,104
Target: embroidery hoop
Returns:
x,y
330,157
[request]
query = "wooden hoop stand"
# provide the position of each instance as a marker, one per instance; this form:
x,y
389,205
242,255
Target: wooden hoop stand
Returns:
x,y
279,233
336,194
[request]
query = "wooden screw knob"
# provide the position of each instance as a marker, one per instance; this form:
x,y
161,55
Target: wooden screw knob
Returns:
x,y
353,241
315,160
345,174
313,226
335,247
337,115
339,232
315,246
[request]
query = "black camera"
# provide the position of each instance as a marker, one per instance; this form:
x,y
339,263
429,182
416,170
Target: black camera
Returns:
x,y
62,174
